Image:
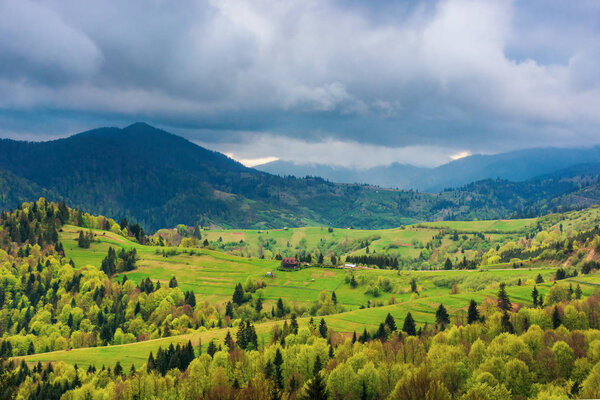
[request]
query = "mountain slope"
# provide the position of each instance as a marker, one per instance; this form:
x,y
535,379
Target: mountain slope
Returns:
x,y
159,180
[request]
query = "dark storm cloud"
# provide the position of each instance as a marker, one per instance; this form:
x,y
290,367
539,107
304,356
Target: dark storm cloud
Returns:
x,y
466,75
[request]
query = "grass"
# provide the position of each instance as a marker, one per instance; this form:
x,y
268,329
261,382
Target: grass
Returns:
x,y
404,241
422,308
212,276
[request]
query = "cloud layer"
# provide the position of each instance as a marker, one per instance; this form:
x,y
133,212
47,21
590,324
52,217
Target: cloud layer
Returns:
x,y
457,74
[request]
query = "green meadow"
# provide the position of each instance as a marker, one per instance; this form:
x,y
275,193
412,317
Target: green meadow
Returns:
x,y
212,276
422,307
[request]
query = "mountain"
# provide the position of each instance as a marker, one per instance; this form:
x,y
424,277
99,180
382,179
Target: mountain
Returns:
x,y
395,175
515,166
160,180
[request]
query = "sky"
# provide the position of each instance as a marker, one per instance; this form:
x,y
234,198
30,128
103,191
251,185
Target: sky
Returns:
x,y
341,82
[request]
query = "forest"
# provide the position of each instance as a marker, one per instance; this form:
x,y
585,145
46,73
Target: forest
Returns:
x,y
444,337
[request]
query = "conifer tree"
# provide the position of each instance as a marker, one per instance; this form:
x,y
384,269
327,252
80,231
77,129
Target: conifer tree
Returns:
x,y
229,310
280,308
390,322
473,312
238,294
294,325
448,264
556,321
534,296
278,370
503,300
409,325
441,317
211,349
229,342
259,305
315,389
578,292
118,369
323,328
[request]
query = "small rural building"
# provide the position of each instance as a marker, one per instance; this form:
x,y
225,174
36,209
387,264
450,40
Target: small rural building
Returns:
x,y
349,265
290,263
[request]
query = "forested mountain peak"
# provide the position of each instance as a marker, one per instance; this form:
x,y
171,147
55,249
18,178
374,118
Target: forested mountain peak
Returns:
x,y
160,180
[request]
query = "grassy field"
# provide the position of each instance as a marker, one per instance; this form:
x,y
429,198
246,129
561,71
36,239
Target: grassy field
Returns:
x,y
212,276
405,241
422,308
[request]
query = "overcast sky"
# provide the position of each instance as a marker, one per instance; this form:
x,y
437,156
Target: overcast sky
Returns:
x,y
342,82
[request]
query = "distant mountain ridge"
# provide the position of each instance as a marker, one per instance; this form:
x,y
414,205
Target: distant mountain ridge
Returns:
x,y
159,180
395,175
515,166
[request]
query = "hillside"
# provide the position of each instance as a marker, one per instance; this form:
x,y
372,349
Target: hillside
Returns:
x,y
160,180
77,330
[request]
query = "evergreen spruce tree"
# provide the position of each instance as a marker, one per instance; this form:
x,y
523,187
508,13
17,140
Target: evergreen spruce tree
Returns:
x,y
278,371
242,336
229,310
534,296
441,317
238,294
315,389
280,308
353,283
229,341
556,321
448,264
409,325
578,292
413,285
323,328
334,297
473,313
118,369
503,300
390,322
211,349
294,325
259,305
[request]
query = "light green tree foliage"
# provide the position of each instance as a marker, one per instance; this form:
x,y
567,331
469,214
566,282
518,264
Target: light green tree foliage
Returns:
x,y
343,382
565,357
518,379
591,385
556,294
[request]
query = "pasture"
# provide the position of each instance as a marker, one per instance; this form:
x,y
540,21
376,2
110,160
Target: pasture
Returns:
x,y
212,276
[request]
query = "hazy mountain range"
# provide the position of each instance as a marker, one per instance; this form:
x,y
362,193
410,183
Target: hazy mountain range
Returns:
x,y
514,166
